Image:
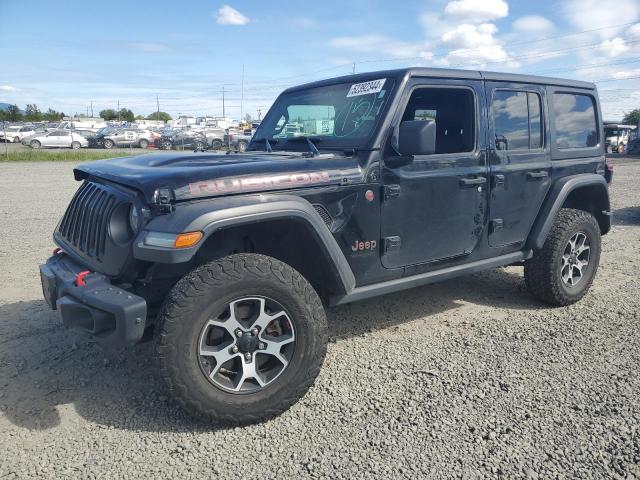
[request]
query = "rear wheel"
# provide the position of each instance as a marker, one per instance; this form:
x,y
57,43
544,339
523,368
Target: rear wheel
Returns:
x,y
143,143
563,270
16,139
76,145
242,146
35,144
241,339
166,145
216,144
108,144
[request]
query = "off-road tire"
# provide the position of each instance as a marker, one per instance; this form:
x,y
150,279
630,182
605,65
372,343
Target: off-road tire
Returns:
x,y
201,293
542,272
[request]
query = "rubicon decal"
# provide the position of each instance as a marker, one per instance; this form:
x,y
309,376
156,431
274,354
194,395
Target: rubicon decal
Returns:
x,y
256,183
364,245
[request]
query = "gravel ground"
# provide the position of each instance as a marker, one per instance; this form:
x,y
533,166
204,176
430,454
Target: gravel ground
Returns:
x,y
471,378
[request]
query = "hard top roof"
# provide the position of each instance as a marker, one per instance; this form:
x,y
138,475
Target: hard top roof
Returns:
x,y
449,73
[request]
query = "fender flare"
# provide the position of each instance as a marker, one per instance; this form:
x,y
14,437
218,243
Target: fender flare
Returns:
x,y
557,195
213,215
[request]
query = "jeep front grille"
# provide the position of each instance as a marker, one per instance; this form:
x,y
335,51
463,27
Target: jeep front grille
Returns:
x,y
85,223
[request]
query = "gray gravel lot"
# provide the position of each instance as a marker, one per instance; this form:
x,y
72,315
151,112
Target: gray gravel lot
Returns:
x,y
471,378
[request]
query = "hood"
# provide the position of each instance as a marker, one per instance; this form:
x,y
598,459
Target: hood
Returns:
x,y
195,175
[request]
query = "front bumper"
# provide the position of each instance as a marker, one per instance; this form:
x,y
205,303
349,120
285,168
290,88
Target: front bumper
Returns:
x,y
114,316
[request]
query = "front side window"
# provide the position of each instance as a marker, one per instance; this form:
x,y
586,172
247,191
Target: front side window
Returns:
x,y
575,121
452,110
517,120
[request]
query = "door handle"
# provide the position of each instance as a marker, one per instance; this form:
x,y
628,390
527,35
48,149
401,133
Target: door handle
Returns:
x,y
470,182
537,175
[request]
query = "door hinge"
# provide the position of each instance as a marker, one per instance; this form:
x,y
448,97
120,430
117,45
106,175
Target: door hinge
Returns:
x,y
495,225
392,244
391,192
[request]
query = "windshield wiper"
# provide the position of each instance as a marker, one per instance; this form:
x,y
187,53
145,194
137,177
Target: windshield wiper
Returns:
x,y
313,150
267,143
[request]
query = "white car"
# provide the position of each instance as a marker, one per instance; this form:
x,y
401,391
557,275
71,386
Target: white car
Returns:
x,y
59,139
16,133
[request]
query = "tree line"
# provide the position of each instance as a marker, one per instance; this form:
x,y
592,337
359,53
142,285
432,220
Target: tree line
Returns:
x,y
127,115
33,114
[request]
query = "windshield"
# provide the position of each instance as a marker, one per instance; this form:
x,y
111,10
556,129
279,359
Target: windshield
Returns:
x,y
334,116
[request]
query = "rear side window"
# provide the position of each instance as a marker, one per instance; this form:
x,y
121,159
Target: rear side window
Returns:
x,y
517,120
575,121
453,111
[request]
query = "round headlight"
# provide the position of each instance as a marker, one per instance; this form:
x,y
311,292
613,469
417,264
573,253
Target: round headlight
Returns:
x,y
134,219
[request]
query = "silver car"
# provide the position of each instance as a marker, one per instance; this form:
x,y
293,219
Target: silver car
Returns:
x,y
16,133
59,139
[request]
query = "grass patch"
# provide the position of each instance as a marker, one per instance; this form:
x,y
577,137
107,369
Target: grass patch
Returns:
x,y
59,156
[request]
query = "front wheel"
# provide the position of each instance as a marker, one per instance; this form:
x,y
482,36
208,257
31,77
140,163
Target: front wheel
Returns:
x,y
108,144
242,146
16,139
166,145
241,339
35,144
76,145
563,270
143,143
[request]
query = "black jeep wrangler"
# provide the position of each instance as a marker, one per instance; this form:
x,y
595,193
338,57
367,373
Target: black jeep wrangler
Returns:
x,y
351,187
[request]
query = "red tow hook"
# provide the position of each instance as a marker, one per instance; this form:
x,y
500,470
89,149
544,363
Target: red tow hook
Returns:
x,y
56,251
80,278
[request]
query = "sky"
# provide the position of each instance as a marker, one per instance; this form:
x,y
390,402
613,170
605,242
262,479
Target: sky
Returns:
x,y
67,55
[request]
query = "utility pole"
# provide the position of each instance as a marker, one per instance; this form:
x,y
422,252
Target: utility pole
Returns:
x,y
92,109
354,68
259,113
118,110
242,93
223,110
158,106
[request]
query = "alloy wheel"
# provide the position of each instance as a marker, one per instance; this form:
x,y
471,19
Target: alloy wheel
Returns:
x,y
248,346
575,259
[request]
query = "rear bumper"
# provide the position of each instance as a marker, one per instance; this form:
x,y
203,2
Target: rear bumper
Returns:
x,y
114,316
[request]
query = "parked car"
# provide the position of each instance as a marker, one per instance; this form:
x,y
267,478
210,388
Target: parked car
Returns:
x,y
128,137
59,139
238,140
399,179
215,137
617,136
16,133
38,131
184,139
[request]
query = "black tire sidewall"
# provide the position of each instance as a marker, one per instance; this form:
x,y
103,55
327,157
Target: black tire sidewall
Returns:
x,y
593,235
183,359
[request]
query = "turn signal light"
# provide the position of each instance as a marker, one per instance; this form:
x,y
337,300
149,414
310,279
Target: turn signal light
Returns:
x,y
185,240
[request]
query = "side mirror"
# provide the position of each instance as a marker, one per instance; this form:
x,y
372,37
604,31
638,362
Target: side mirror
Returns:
x,y
417,137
